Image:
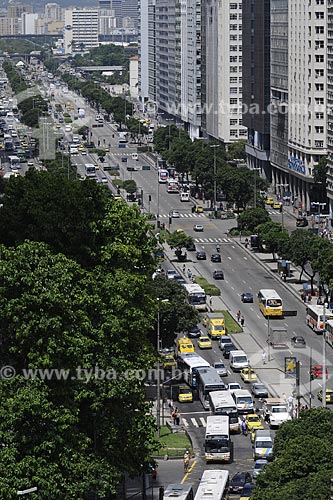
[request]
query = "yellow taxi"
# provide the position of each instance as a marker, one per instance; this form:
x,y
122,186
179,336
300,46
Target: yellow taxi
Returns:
x,y
169,361
204,343
24,144
199,210
253,422
57,126
248,375
185,394
277,205
81,148
97,167
179,230
269,201
107,150
1,145
184,345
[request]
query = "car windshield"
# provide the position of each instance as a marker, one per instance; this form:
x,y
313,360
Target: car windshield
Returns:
x,y
264,444
219,365
240,359
279,409
258,466
185,391
218,328
244,399
253,419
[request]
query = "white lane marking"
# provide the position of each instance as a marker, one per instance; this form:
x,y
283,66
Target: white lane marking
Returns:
x,y
244,281
251,308
232,246
194,422
185,422
232,288
245,258
229,258
203,421
286,324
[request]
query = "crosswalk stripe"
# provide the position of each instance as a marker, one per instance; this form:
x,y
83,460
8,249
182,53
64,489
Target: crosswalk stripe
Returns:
x,y
185,422
194,422
203,421
211,239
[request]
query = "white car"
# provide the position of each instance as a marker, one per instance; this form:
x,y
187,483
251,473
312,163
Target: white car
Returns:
x,y
198,228
30,163
170,273
68,128
104,180
83,152
174,214
233,386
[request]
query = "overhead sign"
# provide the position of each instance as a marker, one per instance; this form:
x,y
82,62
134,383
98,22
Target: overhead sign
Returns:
x,y
290,364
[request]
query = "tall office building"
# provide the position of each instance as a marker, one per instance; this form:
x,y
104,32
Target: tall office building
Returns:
x,y
256,83
307,95
143,50
54,11
279,90
330,107
222,70
16,9
130,9
151,51
81,30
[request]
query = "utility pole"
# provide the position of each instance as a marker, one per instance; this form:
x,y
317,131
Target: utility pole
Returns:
x,y
323,402
214,146
298,385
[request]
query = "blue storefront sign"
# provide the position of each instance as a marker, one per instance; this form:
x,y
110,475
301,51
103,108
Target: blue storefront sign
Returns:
x,y
297,165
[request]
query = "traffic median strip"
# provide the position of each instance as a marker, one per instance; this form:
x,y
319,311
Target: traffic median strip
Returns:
x,y
189,471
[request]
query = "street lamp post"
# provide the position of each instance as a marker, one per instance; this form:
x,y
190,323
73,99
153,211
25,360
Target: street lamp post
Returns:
x,y
214,146
169,120
323,401
158,399
158,222
255,169
284,186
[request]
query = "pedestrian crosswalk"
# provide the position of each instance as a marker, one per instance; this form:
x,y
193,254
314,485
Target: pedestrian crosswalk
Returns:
x,y
184,216
194,422
213,240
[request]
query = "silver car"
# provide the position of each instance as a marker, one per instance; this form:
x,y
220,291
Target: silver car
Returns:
x,y
259,390
258,465
220,368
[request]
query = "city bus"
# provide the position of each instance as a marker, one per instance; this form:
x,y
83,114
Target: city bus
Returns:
x,y
14,161
196,296
315,317
179,492
163,176
189,363
329,332
222,403
217,439
173,186
90,170
270,303
214,484
208,381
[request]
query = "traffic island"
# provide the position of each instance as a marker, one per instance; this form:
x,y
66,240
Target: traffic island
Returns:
x,y
210,288
231,325
172,445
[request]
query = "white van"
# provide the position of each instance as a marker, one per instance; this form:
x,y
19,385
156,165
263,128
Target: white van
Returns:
x,y
263,445
243,400
184,196
238,360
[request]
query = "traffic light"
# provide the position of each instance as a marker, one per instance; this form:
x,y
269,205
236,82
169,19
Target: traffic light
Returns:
x,y
149,198
170,221
161,493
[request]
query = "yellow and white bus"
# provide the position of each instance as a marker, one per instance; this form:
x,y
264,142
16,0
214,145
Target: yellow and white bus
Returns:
x,y
315,317
270,303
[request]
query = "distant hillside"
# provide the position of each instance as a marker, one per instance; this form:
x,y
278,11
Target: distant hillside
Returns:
x,y
39,5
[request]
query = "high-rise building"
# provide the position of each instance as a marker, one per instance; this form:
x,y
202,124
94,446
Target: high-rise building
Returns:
x,y
16,9
222,70
151,51
130,9
9,26
279,91
330,107
54,11
307,93
81,30
29,24
256,83
143,50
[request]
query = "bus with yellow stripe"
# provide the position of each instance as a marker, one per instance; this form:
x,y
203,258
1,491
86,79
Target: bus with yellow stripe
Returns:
x,y
270,303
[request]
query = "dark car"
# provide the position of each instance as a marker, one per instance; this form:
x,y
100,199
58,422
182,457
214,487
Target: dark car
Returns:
x,y
247,491
201,256
179,278
191,247
247,297
194,333
216,257
227,349
302,222
259,390
298,341
224,340
239,480
218,274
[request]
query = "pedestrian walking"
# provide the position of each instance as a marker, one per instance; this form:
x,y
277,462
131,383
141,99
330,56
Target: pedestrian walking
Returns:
x,y
210,301
244,428
263,357
184,268
242,321
174,416
238,316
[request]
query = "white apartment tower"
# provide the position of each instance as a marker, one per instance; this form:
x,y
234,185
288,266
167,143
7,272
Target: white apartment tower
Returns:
x,y
307,90
81,30
330,108
222,70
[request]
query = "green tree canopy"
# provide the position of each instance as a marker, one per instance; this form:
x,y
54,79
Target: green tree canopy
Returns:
x,y
72,434
273,238
251,218
303,453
